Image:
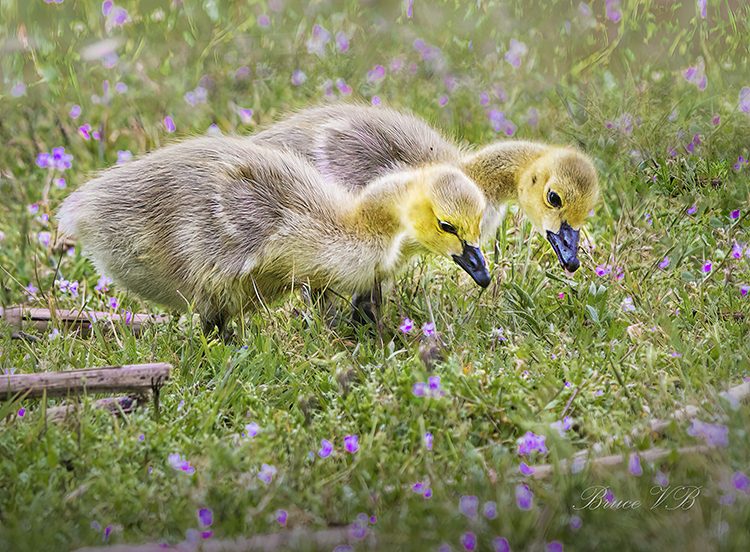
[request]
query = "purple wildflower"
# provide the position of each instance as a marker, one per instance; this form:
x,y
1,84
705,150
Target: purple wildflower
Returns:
x,y
102,283
664,263
351,443
119,16
252,429
266,473
614,10
263,21
427,440
85,130
298,77
179,463
524,497
107,6
420,389
575,523
701,4
744,99
418,44
429,329
692,210
695,75
435,387
113,303
344,88
707,267
44,238
21,412
109,60
526,470
406,326
325,448
469,540
467,505
500,545
741,482
317,42
281,517
734,215
634,465
169,124
554,546
531,442
516,51
562,425
205,517
124,155
75,111
603,270
744,289
342,40
714,434
484,98
376,74
716,120
375,101
246,115
661,479
396,65
627,305
121,87
95,526
18,90
408,7
443,100
30,290
490,510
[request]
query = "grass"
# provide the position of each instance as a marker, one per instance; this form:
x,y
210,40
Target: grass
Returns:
x,y
624,340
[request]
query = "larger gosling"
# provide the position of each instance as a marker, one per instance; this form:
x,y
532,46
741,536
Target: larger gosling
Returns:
x,y
224,224
556,187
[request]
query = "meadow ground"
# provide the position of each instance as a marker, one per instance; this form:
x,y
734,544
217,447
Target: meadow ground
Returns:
x,y
303,426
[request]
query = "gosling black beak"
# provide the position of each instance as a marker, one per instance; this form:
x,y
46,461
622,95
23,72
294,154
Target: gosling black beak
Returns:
x,y
565,244
472,262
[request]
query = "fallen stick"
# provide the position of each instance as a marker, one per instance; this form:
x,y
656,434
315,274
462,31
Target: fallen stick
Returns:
x,y
26,318
126,404
294,539
133,378
582,462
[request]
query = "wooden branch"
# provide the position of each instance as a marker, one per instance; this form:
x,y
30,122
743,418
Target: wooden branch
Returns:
x,y
290,539
581,462
126,405
22,317
136,378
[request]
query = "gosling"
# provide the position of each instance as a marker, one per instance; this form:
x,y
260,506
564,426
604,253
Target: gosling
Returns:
x,y
225,224
556,187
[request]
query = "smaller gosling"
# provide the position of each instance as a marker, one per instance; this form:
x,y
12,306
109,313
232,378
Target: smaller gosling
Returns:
x,y
225,224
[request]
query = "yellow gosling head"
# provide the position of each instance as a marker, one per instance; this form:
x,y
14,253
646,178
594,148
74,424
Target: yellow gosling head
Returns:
x,y
444,213
557,191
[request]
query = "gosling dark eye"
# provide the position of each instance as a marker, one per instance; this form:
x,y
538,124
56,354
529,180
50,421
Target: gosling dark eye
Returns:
x,y
554,200
447,227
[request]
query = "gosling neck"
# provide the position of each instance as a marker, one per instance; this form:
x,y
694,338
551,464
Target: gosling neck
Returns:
x,y
379,211
497,168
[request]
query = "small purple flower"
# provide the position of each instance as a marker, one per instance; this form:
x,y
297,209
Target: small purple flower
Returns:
x,y
109,60
18,90
429,329
435,388
467,505
21,412
85,130
714,434
744,289
59,183
692,210
351,443
614,14
281,517
554,546
263,21
675,354
484,98
562,425
344,88
707,267
342,40
443,100
695,75
516,51
741,482
727,499
61,160
490,510
420,389
169,124
266,473
603,270
107,532
325,448
141,437
500,545
526,470
95,526
716,120
701,4
406,326
124,155
119,16
627,305
634,465
316,44
408,8
664,263
107,6
376,74
30,290
179,463
396,65
252,429
524,497
575,523
113,303
102,283
44,238
427,440
734,215
661,479
531,442
298,77
246,115
205,517
672,116
376,101
75,111
469,540
121,87
744,99
418,44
